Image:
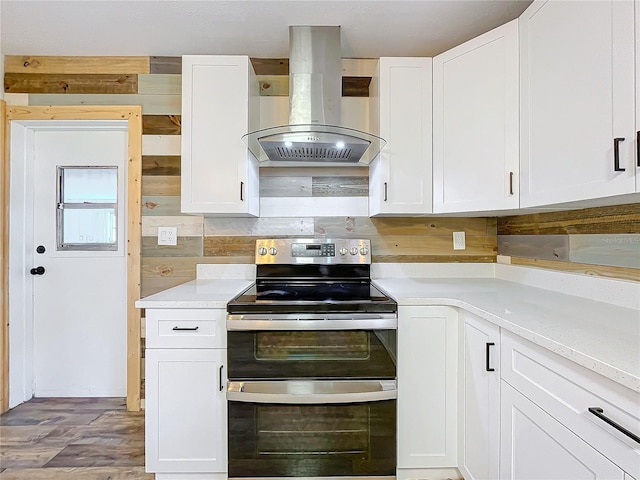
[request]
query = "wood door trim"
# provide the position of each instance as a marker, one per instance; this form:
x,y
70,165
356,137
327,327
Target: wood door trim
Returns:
x,y
4,261
133,114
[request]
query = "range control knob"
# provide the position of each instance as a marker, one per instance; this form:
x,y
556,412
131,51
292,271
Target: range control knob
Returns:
x,y
364,251
343,251
273,251
262,251
353,250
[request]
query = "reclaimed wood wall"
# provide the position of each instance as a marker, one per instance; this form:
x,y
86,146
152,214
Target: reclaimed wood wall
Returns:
x,y
597,241
155,83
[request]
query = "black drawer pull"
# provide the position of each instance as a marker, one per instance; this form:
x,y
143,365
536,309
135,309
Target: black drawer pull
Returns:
x,y
616,155
185,329
638,148
220,378
487,357
598,412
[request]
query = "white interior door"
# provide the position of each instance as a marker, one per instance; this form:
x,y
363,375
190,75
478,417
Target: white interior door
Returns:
x,y
79,302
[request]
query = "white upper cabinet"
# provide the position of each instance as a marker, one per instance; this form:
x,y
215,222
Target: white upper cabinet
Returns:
x,y
577,97
400,178
475,124
220,103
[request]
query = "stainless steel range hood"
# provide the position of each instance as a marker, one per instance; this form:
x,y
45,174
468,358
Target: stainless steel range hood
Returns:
x,y
314,135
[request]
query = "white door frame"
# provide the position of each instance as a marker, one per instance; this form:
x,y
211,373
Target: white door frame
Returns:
x,y
18,258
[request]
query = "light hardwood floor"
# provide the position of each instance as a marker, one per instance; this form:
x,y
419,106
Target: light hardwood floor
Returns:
x,y
72,439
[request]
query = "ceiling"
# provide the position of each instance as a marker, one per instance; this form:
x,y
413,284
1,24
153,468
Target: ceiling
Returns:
x,y
370,28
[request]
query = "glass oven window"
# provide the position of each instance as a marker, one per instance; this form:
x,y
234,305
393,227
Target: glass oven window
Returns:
x,y
312,345
312,430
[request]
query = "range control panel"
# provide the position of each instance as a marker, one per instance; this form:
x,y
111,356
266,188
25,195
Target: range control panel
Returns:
x,y
313,250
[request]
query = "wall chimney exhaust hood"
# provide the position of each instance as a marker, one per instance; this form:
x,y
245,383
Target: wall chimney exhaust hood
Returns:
x,y
314,136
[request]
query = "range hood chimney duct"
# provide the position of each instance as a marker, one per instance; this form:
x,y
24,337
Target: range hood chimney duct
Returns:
x,y
314,135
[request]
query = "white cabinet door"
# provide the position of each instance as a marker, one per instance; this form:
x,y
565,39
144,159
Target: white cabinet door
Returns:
x,y
479,394
220,104
637,48
535,446
400,177
475,124
186,410
576,91
427,387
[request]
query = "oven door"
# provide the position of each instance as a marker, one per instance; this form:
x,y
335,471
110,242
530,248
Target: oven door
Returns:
x,y
312,428
311,354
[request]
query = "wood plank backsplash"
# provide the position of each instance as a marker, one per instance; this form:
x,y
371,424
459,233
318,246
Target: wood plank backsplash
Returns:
x,y
596,241
600,241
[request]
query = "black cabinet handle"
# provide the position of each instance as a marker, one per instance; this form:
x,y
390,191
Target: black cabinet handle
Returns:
x,y
616,155
242,191
638,148
37,271
487,357
510,183
385,191
220,377
185,329
598,412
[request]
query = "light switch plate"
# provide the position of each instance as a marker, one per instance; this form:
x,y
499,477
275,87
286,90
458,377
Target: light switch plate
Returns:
x,y
459,241
167,235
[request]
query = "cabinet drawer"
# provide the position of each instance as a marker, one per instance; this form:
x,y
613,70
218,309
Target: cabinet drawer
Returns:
x,y
186,328
566,391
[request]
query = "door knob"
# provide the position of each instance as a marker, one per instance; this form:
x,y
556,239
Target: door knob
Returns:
x,y
37,271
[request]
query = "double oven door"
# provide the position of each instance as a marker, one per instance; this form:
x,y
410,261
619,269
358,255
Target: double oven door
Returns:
x,y
312,403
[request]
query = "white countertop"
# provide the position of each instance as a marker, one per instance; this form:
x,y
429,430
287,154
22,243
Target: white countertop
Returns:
x,y
599,336
196,294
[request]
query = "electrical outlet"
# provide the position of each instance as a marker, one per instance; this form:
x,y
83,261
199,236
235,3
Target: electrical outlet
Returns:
x,y
167,236
459,241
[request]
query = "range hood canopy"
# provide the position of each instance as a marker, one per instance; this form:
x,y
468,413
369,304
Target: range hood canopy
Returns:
x,y
314,135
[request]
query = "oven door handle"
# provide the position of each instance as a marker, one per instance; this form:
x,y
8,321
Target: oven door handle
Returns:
x,y
312,391
266,323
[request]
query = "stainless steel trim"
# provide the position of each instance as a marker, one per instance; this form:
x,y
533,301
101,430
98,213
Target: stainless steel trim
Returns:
x,y
318,322
312,391
315,74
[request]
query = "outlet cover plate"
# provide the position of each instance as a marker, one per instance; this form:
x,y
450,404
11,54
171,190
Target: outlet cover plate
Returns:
x,y
167,235
459,241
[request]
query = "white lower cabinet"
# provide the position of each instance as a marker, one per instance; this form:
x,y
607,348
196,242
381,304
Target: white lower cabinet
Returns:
x,y
535,446
479,395
186,404
186,411
427,389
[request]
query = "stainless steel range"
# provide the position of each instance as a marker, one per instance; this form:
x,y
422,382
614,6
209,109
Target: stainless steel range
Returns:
x,y
312,365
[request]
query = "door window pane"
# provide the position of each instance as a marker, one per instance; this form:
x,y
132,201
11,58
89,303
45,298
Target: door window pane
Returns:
x,y
87,208
90,185
89,225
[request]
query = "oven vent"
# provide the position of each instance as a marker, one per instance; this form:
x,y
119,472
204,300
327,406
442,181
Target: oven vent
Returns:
x,y
318,148
316,152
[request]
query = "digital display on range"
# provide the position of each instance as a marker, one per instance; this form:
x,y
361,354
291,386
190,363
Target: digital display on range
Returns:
x,y
313,250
